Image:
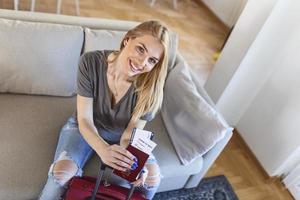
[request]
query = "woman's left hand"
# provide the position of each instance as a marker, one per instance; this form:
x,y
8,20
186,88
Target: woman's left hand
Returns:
x,y
142,178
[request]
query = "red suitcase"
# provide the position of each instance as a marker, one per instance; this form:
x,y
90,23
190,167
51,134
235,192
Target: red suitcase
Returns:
x,y
89,188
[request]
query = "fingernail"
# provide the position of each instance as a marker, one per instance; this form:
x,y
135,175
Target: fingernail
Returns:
x,y
133,167
135,159
135,164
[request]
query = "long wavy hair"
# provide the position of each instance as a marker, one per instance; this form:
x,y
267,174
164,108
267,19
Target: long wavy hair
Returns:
x,y
149,86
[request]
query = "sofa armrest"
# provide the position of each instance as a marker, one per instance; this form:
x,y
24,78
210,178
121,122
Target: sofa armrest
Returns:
x,y
208,159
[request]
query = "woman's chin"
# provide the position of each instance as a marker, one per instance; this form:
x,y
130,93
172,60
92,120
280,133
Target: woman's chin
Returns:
x,y
132,73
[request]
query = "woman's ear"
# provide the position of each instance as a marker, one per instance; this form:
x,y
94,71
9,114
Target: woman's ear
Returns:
x,y
125,41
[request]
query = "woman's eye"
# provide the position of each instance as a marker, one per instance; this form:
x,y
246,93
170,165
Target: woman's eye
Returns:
x,y
140,49
152,61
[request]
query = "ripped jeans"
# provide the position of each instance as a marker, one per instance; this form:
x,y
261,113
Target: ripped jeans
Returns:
x,y
72,146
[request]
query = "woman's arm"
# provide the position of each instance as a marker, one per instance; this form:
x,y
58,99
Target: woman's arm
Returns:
x,y
115,156
86,124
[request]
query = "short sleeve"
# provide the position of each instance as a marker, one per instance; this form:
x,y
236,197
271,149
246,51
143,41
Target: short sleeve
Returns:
x,y
147,117
84,77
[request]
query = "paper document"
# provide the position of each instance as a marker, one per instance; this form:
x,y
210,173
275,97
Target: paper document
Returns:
x,y
141,140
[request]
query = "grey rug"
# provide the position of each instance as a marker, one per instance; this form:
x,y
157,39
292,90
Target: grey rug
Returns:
x,y
212,188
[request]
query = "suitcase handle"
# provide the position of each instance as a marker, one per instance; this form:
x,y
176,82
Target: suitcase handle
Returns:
x,y
99,178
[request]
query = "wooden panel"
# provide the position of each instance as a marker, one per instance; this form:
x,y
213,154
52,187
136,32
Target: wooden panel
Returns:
x,y
246,175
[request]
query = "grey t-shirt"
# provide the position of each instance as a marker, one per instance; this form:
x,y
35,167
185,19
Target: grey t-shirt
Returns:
x,y
110,121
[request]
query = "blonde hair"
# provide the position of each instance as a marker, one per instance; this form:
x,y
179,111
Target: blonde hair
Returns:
x,y
149,86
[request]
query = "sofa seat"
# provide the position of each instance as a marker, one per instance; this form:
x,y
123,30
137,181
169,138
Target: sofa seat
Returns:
x,y
25,142
27,145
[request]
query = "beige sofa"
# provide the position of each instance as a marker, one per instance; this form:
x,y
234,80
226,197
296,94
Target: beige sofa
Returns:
x,y
38,62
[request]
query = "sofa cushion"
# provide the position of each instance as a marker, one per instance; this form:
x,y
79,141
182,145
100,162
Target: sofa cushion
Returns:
x,y
30,127
194,126
102,39
111,40
39,58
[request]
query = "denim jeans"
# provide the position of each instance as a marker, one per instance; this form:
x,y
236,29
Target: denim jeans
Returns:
x,y
72,146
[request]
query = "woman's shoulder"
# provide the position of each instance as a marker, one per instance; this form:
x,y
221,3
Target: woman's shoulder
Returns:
x,y
93,54
97,55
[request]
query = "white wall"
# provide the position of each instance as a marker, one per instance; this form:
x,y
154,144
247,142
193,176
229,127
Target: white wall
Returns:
x,y
246,29
271,124
227,10
262,98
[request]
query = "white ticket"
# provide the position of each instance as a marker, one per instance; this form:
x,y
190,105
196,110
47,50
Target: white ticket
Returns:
x,y
140,133
145,145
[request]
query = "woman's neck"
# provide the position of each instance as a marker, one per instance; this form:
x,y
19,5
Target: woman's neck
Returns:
x,y
115,68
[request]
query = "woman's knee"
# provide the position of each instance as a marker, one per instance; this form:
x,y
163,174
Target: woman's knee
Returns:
x,y
63,169
154,176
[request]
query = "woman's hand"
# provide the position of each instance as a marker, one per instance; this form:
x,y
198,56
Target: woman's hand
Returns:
x,y
142,178
118,157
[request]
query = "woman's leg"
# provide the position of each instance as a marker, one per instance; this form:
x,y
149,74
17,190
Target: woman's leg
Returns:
x,y
153,179
71,154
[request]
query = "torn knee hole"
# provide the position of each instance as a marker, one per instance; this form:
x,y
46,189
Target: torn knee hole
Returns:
x,y
64,169
153,180
154,176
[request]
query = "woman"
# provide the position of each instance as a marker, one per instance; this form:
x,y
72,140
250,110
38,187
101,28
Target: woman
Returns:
x,y
116,91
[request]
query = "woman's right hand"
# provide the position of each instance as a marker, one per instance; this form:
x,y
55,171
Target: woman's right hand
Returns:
x,y
118,158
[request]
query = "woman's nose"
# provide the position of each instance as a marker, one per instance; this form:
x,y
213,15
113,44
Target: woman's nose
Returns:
x,y
142,61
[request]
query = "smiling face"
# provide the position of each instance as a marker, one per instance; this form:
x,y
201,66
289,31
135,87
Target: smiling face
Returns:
x,y
140,54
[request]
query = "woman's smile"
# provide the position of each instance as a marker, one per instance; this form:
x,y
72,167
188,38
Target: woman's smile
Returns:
x,y
133,67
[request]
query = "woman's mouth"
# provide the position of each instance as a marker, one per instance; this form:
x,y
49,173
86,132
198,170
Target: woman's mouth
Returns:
x,y
134,69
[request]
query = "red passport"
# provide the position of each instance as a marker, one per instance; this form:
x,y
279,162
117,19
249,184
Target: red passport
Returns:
x,y
133,174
